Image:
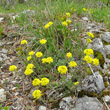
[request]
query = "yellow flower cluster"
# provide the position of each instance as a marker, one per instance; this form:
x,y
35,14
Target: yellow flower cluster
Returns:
x,y
31,53
76,83
24,42
89,59
39,54
43,82
43,41
12,68
90,34
48,25
47,60
36,82
84,9
72,64
88,40
69,55
67,15
29,69
95,61
88,52
29,58
62,69
64,23
37,94
68,21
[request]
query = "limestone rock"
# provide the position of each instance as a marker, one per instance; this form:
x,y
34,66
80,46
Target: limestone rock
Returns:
x,y
97,45
42,108
105,36
85,18
107,49
92,84
67,103
107,99
88,103
2,95
1,19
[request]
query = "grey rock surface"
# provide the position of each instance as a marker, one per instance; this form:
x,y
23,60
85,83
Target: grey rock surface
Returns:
x,y
107,49
42,108
105,36
88,103
107,99
92,84
85,18
2,95
67,103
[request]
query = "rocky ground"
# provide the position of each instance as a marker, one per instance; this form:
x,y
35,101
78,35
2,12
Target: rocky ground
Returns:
x,y
15,88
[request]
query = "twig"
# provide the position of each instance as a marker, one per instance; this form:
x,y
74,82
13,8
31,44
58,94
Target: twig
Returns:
x,y
92,70
106,105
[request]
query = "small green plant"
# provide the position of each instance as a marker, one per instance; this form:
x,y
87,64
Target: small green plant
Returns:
x,y
4,108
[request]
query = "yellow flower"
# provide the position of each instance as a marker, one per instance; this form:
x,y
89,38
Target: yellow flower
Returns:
x,y
88,52
64,23
67,15
88,59
43,41
88,40
49,60
37,94
12,68
95,61
28,71
23,42
90,34
39,54
30,66
68,21
76,83
72,64
31,53
29,58
62,69
84,9
46,26
50,23
69,55
44,60
36,82
44,81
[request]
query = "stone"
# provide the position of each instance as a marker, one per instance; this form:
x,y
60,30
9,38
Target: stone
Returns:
x,y
88,103
92,84
4,51
105,36
42,108
107,49
67,103
97,45
1,19
85,18
2,95
107,99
